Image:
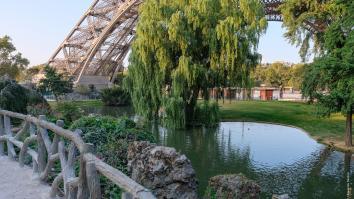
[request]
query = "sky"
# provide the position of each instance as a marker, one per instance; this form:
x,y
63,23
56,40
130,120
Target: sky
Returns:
x,y
37,27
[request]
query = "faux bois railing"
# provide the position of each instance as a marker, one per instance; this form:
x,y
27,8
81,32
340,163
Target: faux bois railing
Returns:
x,y
43,144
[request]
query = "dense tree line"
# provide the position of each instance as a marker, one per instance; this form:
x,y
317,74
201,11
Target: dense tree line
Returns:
x,y
279,75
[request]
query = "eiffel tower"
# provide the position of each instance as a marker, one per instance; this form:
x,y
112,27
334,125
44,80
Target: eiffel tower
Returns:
x,y
94,50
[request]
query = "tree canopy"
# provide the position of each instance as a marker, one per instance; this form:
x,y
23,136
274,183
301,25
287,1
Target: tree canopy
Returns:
x,y
279,74
11,63
182,48
330,78
306,22
56,83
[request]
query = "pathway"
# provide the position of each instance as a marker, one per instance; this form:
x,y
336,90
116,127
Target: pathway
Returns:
x,y
18,183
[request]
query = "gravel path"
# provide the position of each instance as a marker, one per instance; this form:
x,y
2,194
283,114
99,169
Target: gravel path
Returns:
x,y
18,183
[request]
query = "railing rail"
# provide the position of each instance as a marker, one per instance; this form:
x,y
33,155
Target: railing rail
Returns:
x,y
33,139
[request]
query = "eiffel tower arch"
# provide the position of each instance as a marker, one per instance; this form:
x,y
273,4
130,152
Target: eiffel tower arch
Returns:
x,y
94,50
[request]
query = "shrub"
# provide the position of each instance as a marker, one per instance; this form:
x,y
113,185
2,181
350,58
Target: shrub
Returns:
x,y
13,98
68,112
115,96
16,98
111,137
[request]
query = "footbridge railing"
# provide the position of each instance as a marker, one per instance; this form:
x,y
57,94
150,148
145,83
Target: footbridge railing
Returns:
x,y
48,147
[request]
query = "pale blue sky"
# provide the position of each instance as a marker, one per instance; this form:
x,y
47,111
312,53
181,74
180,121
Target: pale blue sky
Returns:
x,y
37,27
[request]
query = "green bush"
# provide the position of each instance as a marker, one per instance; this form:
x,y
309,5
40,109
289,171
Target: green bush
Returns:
x,y
13,98
111,138
115,96
16,98
68,112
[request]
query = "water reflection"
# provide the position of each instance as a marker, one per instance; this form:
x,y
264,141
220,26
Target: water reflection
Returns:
x,y
281,159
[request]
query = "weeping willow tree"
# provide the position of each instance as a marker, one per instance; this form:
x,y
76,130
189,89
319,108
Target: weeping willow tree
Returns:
x,y
184,47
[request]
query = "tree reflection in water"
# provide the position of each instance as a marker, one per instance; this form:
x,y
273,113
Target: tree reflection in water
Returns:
x,y
280,161
322,173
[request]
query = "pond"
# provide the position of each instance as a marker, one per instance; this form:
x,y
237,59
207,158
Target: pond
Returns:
x,y
281,159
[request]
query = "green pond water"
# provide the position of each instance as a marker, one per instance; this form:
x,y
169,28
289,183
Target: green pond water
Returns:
x,y
282,160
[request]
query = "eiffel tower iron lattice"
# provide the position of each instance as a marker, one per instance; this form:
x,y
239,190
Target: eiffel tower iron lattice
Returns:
x,y
100,41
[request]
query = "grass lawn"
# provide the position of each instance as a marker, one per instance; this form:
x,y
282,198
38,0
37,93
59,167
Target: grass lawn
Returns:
x,y
327,130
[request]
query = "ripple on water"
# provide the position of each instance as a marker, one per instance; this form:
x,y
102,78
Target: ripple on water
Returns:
x,y
281,159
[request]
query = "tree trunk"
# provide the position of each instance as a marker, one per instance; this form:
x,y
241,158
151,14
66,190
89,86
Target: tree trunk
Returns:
x,y
348,130
281,92
190,107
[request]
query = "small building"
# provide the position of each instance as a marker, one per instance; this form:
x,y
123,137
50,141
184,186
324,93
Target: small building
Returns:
x,y
266,94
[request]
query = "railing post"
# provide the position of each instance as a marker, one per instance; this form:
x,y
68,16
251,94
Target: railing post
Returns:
x,y
32,131
42,151
93,180
2,132
83,189
10,147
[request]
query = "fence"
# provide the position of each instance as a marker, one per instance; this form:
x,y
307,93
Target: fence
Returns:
x,y
47,143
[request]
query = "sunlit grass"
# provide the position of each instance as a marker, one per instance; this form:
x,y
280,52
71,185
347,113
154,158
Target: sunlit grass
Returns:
x,y
289,113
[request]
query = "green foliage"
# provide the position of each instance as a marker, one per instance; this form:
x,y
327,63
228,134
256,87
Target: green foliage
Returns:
x,y
68,112
306,21
279,74
330,78
37,105
184,47
276,74
297,73
16,98
111,137
115,96
11,64
209,114
56,83
13,98
30,72
176,118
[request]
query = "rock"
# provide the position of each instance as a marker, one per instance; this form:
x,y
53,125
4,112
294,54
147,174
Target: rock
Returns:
x,y
232,187
284,196
165,172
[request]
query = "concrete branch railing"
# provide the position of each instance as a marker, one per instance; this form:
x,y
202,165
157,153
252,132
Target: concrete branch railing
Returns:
x,y
46,144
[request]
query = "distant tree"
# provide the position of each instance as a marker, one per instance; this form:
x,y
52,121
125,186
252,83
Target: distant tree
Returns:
x,y
56,83
330,78
32,71
11,63
296,76
279,75
276,74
